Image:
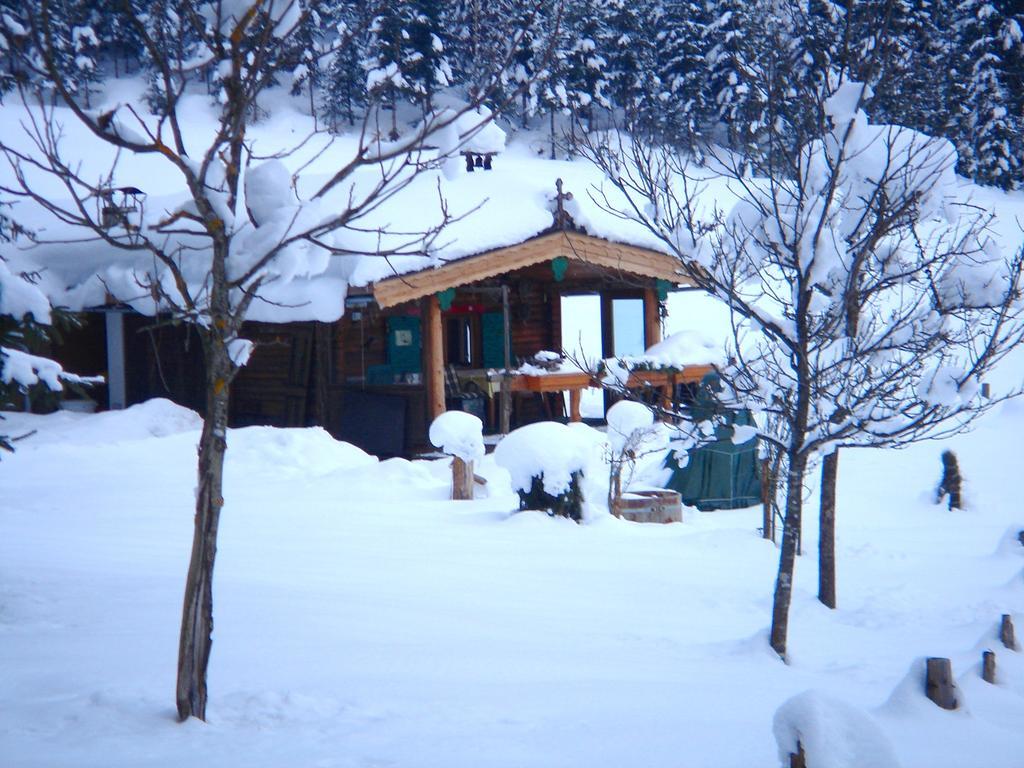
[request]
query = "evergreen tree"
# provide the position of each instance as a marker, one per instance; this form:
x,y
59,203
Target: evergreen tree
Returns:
x,y
682,42
990,141
627,44
345,81
736,75
479,34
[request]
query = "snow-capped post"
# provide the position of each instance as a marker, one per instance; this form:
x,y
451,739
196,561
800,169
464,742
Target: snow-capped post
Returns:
x,y
939,685
798,759
1007,636
461,436
241,230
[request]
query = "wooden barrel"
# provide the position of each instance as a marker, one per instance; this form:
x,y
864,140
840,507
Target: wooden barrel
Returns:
x,y
660,506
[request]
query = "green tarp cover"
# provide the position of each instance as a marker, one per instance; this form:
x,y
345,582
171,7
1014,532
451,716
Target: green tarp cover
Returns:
x,y
719,475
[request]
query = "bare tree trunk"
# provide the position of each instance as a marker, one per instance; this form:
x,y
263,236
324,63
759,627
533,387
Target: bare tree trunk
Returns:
x,y
197,611
827,531
787,557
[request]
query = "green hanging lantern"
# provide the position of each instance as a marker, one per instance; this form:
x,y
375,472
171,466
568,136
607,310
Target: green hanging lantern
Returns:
x,y
559,265
445,298
663,287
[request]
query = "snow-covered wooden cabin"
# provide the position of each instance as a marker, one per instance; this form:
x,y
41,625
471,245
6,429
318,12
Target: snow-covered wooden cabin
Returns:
x,y
373,348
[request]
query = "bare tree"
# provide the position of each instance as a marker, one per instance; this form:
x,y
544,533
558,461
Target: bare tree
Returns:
x,y
214,255
867,300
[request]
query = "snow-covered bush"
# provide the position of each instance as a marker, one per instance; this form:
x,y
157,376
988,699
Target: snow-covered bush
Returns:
x,y
546,461
631,432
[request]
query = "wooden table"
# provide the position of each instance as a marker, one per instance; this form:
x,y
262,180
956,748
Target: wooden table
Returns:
x,y
574,382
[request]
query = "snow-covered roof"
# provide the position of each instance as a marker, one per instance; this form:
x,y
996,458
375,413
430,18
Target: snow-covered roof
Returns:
x,y
492,209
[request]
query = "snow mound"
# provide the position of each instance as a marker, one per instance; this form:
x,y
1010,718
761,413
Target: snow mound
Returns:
x,y
547,449
307,451
833,734
154,418
458,433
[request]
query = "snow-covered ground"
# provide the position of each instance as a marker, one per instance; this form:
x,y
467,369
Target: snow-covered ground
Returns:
x,y
362,620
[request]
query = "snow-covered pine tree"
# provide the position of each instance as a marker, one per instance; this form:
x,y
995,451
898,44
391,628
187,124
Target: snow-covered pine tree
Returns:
x,y
682,48
425,64
478,35
990,140
346,27
817,51
405,55
627,44
583,76
734,88
526,68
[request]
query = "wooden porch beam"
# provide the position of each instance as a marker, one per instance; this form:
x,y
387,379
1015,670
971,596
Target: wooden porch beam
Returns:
x,y
433,357
652,318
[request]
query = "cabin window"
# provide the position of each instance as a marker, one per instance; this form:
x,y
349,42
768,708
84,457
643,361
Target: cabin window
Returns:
x,y
460,332
628,327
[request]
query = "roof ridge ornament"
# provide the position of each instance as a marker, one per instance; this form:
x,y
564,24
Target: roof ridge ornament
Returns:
x,y
562,218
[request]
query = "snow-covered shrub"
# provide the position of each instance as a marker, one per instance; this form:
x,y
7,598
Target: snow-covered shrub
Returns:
x,y
546,461
631,432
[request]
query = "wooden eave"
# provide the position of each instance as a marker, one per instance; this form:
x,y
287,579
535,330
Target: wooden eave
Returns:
x,y
628,259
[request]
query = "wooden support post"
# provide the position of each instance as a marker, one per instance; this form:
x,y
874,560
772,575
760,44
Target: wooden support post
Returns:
x,y
574,404
988,667
462,479
1006,632
506,379
434,357
652,318
798,759
939,686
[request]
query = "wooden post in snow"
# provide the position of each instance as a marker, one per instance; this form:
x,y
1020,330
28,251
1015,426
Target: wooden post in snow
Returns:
x,y
939,685
798,759
1006,634
506,379
462,479
988,667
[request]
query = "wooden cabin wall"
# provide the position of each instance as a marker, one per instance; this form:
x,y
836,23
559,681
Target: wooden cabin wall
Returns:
x,y
536,319
163,360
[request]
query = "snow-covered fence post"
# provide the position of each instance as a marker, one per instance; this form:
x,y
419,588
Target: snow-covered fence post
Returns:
x,y
939,686
950,484
1006,633
988,667
461,436
798,759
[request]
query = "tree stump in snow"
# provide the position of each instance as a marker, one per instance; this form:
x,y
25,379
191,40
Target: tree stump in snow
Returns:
x,y
462,479
951,481
798,759
1006,632
939,686
988,667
